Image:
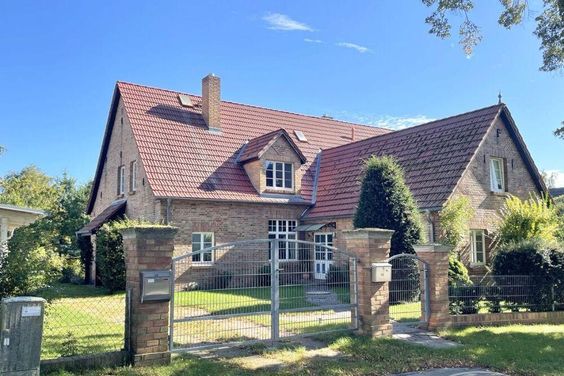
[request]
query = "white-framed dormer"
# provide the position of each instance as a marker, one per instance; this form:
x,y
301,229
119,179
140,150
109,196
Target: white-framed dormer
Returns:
x,y
279,175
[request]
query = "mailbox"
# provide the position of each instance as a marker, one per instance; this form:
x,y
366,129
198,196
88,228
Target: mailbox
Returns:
x,y
155,285
381,272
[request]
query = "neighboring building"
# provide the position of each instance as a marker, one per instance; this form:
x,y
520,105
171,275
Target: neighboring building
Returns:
x,y
12,217
223,171
555,192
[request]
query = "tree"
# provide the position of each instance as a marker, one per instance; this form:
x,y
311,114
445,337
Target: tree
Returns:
x,y
29,188
549,178
560,132
549,30
454,219
386,202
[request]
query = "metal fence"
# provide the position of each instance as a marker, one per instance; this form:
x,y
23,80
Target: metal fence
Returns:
x,y
82,320
505,293
261,290
406,288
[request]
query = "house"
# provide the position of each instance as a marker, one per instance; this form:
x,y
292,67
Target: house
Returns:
x,y
223,171
12,217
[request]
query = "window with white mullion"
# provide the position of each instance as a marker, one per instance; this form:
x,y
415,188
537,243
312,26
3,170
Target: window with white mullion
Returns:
x,y
121,180
202,240
497,175
284,230
478,247
279,175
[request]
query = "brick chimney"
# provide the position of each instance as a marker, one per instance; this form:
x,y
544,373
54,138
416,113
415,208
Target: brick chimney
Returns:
x,y
211,101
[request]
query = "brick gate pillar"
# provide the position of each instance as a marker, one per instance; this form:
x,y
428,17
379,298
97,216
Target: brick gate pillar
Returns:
x,y
371,245
147,248
436,257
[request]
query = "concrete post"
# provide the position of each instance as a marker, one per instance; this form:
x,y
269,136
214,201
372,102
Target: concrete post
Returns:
x,y
147,248
436,256
371,245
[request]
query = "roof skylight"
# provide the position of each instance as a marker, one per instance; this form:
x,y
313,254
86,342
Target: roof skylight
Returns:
x,y
300,135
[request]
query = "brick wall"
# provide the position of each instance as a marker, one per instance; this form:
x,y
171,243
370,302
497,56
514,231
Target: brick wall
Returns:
x,y
507,318
475,184
122,150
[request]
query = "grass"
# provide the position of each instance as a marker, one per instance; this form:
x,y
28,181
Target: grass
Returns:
x,y
81,319
406,311
516,350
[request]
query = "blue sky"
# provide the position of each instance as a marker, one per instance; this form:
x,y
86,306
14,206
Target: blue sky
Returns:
x,y
370,62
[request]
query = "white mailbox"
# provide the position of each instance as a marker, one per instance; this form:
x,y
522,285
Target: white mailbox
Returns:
x,y
381,272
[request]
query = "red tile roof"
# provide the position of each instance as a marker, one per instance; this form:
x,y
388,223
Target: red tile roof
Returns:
x,y
256,147
433,155
183,159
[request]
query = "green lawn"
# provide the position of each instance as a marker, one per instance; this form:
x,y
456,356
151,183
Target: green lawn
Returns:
x,y
80,320
516,350
406,311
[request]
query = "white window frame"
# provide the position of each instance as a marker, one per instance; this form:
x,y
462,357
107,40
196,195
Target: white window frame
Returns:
x,y
133,176
121,180
494,184
284,173
202,245
284,234
473,248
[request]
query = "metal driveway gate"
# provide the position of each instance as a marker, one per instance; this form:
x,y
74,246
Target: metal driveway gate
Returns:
x,y
259,290
408,299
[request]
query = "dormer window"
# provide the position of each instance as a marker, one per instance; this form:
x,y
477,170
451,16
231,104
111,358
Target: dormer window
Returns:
x,y
279,175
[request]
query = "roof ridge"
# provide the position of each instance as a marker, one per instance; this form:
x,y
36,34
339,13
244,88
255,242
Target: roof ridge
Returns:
x,y
261,107
429,123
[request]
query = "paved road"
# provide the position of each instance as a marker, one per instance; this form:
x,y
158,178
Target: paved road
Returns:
x,y
454,372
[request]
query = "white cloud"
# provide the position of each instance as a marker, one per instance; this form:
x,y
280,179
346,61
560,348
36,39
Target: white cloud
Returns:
x,y
556,178
385,121
354,46
313,40
278,21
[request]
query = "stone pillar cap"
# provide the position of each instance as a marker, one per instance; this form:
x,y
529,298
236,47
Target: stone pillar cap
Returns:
x,y
144,230
372,232
433,247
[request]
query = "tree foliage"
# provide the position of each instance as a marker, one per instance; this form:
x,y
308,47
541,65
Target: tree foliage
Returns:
x,y
549,29
386,202
454,220
29,188
560,132
528,219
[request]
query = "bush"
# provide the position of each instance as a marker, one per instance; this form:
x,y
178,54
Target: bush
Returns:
x,y
457,272
338,275
386,202
535,218
28,265
541,261
464,299
110,258
263,276
220,280
72,271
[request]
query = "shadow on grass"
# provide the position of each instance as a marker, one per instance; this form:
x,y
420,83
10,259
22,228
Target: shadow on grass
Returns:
x,y
67,290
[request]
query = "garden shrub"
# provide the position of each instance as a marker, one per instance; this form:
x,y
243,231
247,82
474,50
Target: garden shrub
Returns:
x,y
110,258
72,271
28,264
457,272
464,299
338,275
220,280
535,218
542,261
263,276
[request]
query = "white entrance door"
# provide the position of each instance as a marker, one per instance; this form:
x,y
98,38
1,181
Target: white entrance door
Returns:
x,y
323,256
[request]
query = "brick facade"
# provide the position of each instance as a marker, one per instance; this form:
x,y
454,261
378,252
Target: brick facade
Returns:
x,y
475,183
122,150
